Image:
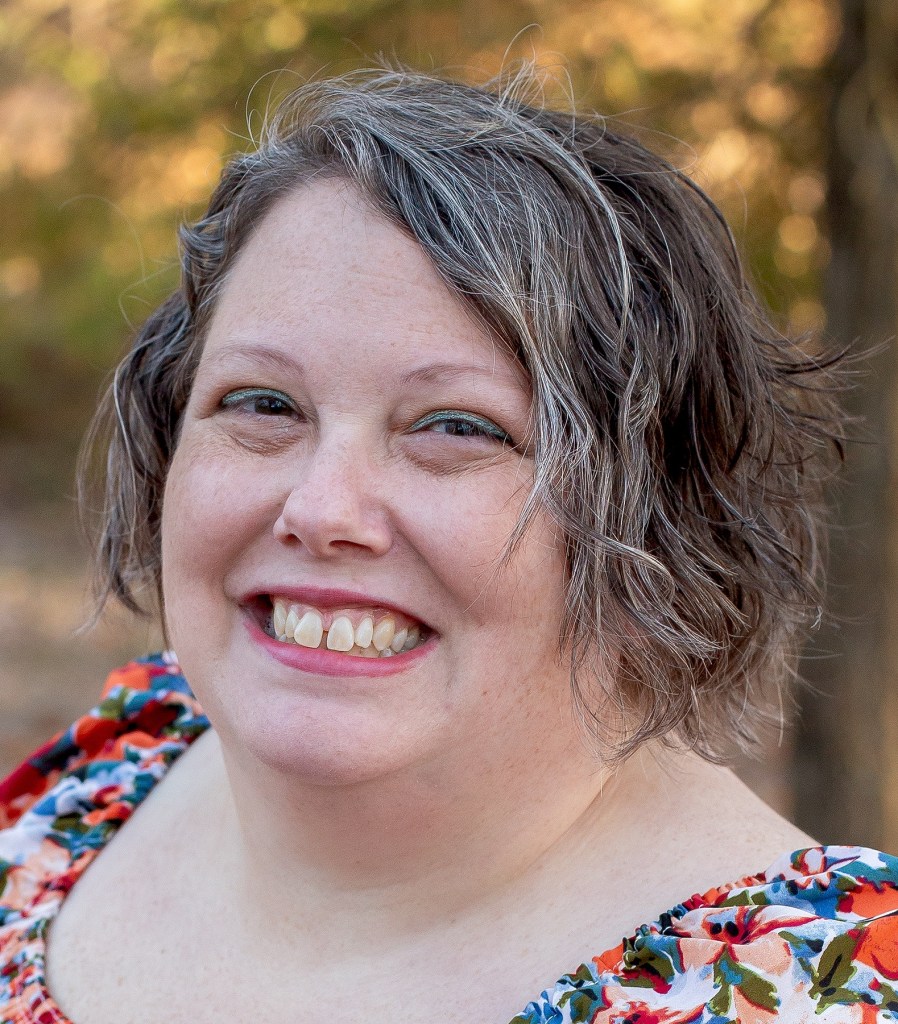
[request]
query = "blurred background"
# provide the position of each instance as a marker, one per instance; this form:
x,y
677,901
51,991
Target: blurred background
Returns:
x,y
116,115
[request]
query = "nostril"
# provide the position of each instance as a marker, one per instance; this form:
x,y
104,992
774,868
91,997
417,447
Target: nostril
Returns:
x,y
332,522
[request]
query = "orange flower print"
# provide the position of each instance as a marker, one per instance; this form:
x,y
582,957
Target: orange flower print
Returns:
x,y
878,947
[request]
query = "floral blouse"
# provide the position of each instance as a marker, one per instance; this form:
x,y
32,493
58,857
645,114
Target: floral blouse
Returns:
x,y
812,938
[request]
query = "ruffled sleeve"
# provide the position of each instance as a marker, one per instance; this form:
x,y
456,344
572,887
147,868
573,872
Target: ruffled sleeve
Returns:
x,y
73,793
813,938
67,800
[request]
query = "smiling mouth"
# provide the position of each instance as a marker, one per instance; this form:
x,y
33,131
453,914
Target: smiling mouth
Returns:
x,y
355,632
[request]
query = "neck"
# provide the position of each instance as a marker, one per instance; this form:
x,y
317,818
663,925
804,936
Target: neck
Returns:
x,y
440,840
414,864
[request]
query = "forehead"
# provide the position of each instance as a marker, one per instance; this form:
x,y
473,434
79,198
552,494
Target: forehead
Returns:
x,y
324,268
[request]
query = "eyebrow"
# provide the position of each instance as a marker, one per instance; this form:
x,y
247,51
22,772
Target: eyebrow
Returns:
x,y
429,374
437,372
251,352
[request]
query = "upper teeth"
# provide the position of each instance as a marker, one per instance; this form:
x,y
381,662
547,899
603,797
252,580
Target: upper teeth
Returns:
x,y
306,626
307,630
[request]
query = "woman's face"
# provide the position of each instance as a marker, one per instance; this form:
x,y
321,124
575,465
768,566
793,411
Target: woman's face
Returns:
x,y
353,459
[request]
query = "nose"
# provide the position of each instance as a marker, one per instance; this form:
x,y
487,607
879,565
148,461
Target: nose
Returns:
x,y
332,504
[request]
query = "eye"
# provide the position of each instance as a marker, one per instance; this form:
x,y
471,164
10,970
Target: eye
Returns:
x,y
260,401
462,424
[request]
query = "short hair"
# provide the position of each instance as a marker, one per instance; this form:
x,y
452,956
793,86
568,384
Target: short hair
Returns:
x,y
680,438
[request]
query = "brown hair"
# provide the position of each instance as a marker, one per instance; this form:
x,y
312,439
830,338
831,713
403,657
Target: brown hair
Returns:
x,y
680,438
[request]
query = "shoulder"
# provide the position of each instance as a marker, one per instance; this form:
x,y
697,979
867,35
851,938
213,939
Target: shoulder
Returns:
x,y
65,801
816,934
147,700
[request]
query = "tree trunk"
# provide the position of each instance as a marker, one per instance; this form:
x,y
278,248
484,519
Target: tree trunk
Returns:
x,y
846,764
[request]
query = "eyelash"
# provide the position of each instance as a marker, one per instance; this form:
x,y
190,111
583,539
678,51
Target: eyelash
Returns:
x,y
238,398
484,428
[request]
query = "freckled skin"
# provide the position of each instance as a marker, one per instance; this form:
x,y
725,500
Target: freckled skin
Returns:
x,y
332,835
330,306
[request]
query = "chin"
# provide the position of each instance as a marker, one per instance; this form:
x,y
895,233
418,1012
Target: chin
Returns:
x,y
323,746
320,730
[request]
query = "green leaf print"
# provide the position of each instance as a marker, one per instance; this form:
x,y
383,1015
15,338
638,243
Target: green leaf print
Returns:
x,y
115,704
835,968
70,824
729,974
738,899
838,997
658,958
758,990
888,994
722,1000
583,973
582,1006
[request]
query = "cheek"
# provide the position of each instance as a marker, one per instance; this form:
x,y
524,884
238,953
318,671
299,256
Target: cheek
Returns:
x,y
183,516
530,595
205,514
462,535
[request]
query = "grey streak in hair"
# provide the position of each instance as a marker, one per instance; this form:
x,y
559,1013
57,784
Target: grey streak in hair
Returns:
x,y
680,438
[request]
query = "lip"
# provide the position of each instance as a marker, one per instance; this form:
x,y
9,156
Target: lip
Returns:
x,y
328,597
333,663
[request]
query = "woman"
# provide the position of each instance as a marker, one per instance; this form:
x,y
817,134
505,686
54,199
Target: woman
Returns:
x,y
476,391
